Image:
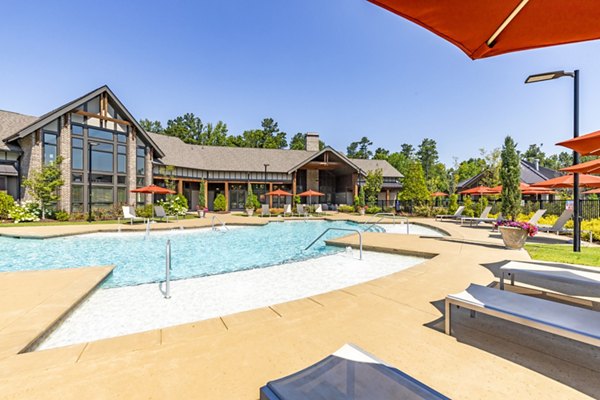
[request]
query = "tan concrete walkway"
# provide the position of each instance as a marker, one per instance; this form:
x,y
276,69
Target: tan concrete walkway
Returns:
x,y
399,318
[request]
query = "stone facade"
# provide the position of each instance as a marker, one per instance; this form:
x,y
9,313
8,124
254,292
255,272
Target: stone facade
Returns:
x,y
64,150
131,169
31,159
149,175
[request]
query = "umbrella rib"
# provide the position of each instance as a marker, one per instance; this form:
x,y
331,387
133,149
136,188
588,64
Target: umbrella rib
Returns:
x,y
507,21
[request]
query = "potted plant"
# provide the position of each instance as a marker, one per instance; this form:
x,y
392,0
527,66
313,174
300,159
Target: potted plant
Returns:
x,y
514,233
359,201
201,211
250,201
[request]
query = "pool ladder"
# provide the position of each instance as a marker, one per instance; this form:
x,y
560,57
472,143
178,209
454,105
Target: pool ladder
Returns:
x,y
340,229
167,292
218,219
385,215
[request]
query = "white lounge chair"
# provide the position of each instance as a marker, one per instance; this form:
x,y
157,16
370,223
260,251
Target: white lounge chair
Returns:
x,y
477,220
560,319
577,275
287,210
159,212
559,225
129,213
456,215
265,211
536,217
301,211
319,209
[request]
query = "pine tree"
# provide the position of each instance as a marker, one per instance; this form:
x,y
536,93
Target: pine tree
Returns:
x,y
510,175
413,184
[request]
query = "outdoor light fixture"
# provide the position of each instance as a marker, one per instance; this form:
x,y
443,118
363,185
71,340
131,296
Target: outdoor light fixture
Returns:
x,y
546,76
90,145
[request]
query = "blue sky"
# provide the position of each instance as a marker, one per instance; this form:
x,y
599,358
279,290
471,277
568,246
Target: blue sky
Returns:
x,y
343,68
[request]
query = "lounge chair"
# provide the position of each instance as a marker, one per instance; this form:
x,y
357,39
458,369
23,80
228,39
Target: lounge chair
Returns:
x,y
456,215
159,212
287,209
301,211
576,275
559,225
265,210
349,373
477,220
560,319
536,217
319,209
129,213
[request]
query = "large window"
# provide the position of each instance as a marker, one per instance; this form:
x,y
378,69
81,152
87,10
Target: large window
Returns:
x,y
102,157
77,153
50,147
3,186
140,160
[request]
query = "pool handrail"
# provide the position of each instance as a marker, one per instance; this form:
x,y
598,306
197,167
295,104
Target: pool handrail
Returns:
x,y
218,219
340,229
168,271
383,216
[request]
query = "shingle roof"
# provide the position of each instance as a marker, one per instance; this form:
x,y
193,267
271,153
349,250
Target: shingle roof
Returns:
x,y
529,175
10,123
244,159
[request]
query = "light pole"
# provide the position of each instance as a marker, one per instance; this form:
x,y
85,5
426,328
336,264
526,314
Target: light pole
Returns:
x,y
576,207
90,145
266,166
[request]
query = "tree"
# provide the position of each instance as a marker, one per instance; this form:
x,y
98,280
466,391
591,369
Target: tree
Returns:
x,y
151,126
470,168
413,184
44,183
534,152
427,154
187,127
510,175
214,135
373,184
201,197
491,172
168,171
381,154
407,150
269,137
297,142
360,149
400,161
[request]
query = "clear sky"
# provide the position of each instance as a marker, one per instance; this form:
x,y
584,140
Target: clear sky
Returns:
x,y
343,68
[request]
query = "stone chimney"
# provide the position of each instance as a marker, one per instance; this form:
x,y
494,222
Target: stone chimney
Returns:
x,y
311,141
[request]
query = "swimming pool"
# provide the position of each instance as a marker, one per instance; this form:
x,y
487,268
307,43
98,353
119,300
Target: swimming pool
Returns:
x,y
195,253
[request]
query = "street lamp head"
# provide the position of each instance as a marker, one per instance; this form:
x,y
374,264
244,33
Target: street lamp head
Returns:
x,y
546,76
93,144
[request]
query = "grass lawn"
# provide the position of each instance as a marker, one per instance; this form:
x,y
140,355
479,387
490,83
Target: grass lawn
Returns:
x,y
564,253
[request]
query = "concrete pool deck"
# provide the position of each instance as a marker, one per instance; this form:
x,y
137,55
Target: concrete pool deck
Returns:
x,y
399,318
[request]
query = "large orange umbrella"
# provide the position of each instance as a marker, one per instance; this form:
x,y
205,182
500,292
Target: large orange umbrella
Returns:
x,y
587,145
590,167
310,194
593,191
479,190
566,181
279,193
153,189
483,28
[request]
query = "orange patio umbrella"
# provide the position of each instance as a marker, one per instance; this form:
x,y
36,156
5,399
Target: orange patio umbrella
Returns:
x,y
279,193
593,191
586,145
479,190
566,181
490,28
310,194
153,189
438,194
590,167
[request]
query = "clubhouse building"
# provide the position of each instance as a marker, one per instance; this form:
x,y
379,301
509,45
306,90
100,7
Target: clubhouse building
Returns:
x,y
100,142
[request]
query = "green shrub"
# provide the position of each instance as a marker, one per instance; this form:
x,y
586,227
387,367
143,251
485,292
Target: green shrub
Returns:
x,y
220,204
468,212
25,212
175,204
77,216
453,204
6,204
346,209
145,211
373,210
390,210
61,216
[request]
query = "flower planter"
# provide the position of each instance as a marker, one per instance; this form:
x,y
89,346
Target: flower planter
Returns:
x,y
361,211
200,213
513,238
250,211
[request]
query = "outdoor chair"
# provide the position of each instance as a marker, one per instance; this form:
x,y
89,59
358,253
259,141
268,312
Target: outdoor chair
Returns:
x,y
536,217
301,211
456,215
560,319
129,213
477,220
159,212
319,209
287,210
349,373
559,225
265,211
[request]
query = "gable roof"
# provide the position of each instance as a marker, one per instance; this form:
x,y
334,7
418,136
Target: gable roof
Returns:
x,y
529,175
11,122
247,159
318,153
52,115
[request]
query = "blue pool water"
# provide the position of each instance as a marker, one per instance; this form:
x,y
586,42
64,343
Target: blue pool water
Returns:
x,y
194,252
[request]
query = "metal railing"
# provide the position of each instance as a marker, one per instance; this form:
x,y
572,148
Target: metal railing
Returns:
x,y
147,229
382,216
168,271
218,219
340,229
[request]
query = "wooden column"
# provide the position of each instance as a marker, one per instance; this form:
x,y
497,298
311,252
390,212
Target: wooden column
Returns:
x,y
355,184
180,186
294,185
387,196
270,197
226,196
205,194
